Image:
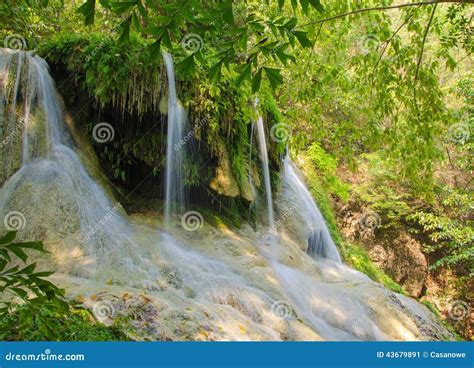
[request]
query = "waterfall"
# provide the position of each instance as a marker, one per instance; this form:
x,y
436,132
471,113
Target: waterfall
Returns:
x,y
262,145
48,188
320,243
174,185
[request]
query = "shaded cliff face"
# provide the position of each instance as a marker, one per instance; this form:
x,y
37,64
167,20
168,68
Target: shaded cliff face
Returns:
x,y
395,252
103,84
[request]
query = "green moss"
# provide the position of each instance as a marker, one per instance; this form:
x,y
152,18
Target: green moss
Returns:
x,y
358,258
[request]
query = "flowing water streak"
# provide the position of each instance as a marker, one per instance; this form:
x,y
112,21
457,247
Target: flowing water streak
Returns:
x,y
320,243
262,144
174,190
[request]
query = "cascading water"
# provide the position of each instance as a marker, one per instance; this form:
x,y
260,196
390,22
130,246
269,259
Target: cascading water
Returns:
x,y
229,297
52,194
174,190
320,243
262,145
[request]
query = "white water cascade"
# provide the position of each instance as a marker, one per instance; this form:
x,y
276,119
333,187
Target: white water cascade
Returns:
x,y
174,190
320,243
262,145
51,195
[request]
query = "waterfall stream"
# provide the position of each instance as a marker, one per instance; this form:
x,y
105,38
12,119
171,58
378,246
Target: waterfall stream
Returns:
x,y
320,243
174,190
262,145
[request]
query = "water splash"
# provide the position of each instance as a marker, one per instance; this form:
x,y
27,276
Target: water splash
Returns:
x,y
174,172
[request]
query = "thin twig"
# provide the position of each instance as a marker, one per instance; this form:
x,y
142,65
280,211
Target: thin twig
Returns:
x,y
387,43
420,58
399,6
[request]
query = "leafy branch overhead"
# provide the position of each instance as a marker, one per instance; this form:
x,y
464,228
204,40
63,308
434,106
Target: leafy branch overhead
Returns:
x,y
252,42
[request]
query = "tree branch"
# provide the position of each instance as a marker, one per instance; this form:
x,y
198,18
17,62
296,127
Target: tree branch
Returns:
x,y
387,43
399,6
420,58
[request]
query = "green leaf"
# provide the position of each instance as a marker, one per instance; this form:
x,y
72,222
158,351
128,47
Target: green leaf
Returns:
x,y
122,7
281,3
186,66
20,292
303,38
228,15
19,253
304,6
317,5
274,77
142,11
257,81
125,34
244,75
136,22
291,24
215,72
8,237
166,40
105,3
87,10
